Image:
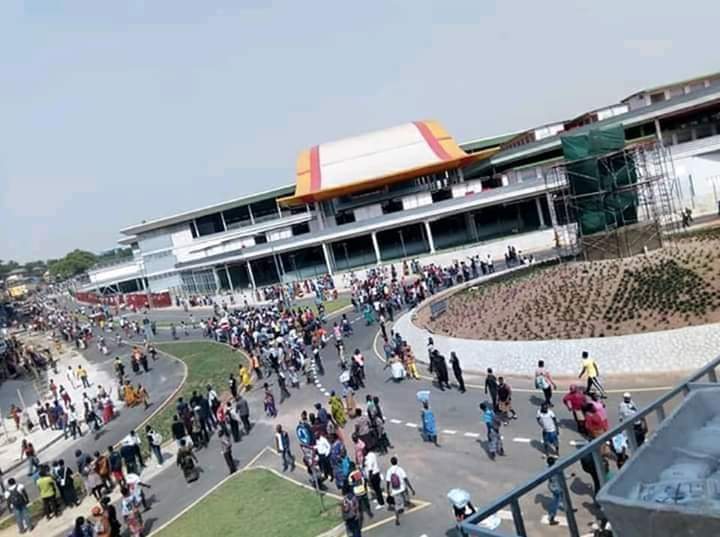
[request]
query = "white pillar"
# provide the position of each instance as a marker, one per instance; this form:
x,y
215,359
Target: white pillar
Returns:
x,y
551,209
230,283
658,132
217,280
540,213
376,246
251,276
431,242
326,255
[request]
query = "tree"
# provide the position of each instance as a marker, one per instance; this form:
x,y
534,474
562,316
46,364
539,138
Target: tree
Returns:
x,y
74,263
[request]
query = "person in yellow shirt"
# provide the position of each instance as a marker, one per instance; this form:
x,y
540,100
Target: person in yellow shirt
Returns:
x,y
592,371
48,493
410,365
245,380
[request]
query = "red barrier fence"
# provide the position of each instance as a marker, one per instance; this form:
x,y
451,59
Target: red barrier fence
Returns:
x,y
137,300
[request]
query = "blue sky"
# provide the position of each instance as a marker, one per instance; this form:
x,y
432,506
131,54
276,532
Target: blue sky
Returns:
x,y
114,112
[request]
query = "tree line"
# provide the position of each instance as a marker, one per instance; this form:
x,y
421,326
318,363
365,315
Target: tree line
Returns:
x,y
71,264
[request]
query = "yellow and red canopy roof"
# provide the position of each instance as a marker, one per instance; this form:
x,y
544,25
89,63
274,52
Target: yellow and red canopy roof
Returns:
x,y
374,159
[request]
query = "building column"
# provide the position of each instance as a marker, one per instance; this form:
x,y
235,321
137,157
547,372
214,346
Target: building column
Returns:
x,y
230,283
541,218
217,279
376,246
277,268
551,209
658,132
471,226
326,255
428,231
251,275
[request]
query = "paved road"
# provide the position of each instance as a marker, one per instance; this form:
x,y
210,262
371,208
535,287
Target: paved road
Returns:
x,y
461,460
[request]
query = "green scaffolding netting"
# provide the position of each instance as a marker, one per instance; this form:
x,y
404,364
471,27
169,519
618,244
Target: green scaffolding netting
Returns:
x,y
598,170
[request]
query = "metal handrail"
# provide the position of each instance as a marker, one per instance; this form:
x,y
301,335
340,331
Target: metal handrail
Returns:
x,y
512,498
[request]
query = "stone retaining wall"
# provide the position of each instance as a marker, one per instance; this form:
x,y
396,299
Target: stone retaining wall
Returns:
x,y
682,349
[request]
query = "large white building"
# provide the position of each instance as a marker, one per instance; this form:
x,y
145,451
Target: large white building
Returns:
x,y
409,191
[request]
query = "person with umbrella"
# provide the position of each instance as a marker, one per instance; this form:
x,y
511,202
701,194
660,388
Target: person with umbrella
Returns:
x,y
462,507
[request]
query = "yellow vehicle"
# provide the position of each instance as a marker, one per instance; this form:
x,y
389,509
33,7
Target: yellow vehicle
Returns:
x,y
17,287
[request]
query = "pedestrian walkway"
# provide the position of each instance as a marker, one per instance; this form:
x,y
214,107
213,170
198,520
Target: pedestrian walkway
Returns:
x,y
61,526
11,437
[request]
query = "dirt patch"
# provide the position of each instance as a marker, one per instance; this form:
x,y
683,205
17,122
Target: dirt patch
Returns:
x,y
674,287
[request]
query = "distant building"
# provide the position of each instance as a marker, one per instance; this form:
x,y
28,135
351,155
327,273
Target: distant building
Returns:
x,y
409,191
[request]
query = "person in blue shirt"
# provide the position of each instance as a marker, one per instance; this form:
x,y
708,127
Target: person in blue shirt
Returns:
x,y
429,426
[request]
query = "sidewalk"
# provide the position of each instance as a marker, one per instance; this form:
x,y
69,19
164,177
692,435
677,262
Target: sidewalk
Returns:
x,y
32,391
62,525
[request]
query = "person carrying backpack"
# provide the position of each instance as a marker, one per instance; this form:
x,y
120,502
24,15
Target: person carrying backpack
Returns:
x,y
397,487
17,499
351,513
359,486
544,382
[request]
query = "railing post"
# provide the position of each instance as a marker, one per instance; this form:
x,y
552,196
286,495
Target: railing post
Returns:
x,y
572,523
632,441
712,375
599,467
518,518
660,412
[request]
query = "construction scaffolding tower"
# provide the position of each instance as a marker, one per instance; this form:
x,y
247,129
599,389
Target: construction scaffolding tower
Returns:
x,y
616,204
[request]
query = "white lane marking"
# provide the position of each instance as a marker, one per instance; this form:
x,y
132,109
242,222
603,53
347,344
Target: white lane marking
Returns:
x,y
395,421
522,440
447,431
562,521
411,424
472,435
576,443
318,385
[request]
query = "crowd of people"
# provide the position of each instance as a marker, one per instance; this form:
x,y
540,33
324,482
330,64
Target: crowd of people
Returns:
x,y
341,442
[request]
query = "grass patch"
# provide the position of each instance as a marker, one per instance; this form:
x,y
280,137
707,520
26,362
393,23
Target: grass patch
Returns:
x,y
335,305
207,363
257,503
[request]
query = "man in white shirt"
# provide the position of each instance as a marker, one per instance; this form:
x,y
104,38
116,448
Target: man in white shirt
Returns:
x,y
398,484
549,427
626,410
374,477
323,450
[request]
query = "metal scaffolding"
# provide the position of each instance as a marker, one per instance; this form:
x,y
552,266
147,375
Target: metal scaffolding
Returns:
x,y
653,189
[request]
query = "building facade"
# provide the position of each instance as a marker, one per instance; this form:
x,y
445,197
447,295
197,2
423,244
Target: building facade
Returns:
x,y
410,191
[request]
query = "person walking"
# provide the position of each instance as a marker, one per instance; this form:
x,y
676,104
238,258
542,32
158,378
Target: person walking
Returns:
x,y
374,477
488,417
457,371
49,493
505,407
187,461
282,444
234,420
491,387
16,498
591,370
359,486
626,410
544,382
398,484
574,401
429,426
226,450
243,410
555,489
66,485
550,430
82,374
154,440
351,513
